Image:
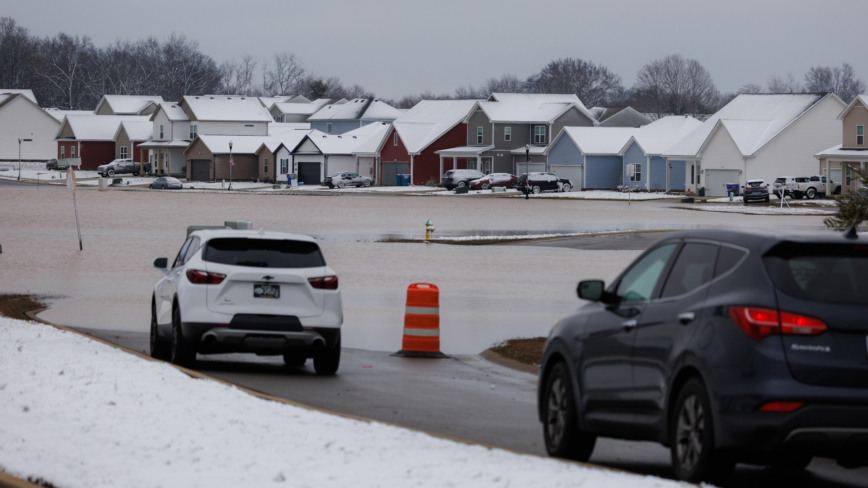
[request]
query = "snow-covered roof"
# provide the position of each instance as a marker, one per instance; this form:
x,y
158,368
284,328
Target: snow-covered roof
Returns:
x,y
290,140
349,142
607,141
60,114
863,99
527,108
654,138
307,108
96,128
128,104
240,144
658,136
837,152
138,130
26,92
751,119
276,128
175,143
173,111
226,109
428,120
622,116
534,150
459,151
268,102
358,109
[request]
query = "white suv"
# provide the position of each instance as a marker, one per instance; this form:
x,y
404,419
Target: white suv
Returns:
x,y
267,293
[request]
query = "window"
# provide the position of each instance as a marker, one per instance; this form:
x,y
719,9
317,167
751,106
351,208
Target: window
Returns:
x,y
124,152
507,133
860,135
284,166
194,129
72,155
637,173
827,273
265,166
539,134
693,268
639,282
395,143
263,253
191,249
62,152
161,132
728,259
479,135
847,173
179,260
279,118
328,128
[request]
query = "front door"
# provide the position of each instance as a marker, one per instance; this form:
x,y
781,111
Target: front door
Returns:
x,y
607,343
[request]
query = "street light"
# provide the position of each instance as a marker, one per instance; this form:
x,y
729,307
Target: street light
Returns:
x,y
19,155
527,171
230,165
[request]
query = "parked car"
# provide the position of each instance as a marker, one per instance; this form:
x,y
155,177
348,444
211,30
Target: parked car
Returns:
x,y
781,185
808,186
341,180
459,178
756,190
266,293
118,166
493,180
539,182
724,345
166,183
51,165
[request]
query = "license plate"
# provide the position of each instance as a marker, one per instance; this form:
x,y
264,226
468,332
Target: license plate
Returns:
x,y
266,291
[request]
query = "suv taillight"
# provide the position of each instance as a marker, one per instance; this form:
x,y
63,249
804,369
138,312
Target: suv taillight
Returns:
x,y
204,278
759,323
324,282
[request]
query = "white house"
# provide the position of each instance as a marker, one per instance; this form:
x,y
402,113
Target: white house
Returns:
x,y
127,104
20,117
319,154
760,136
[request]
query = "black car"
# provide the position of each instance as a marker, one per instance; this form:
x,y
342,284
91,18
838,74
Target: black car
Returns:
x,y
726,346
459,178
51,165
539,182
756,190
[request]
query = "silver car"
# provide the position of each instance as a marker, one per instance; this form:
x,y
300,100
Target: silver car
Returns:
x,y
343,179
119,166
166,183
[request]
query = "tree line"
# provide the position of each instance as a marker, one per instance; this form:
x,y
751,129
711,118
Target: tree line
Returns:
x,y
70,72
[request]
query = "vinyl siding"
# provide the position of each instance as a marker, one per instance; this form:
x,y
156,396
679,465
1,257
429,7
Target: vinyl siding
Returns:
x,y
658,174
858,115
603,172
479,119
635,155
246,167
520,136
571,118
20,118
182,129
721,153
122,141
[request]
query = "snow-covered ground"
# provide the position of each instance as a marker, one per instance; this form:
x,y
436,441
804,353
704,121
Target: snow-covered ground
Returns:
x,y
218,185
607,195
761,209
518,237
75,412
818,202
440,192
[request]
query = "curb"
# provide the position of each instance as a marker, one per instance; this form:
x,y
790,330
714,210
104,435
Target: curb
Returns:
x,y
496,358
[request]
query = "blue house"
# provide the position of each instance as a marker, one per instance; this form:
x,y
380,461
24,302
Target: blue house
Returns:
x,y
604,153
339,119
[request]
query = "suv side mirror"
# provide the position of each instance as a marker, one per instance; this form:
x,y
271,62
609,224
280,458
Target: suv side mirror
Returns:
x,y
161,263
593,290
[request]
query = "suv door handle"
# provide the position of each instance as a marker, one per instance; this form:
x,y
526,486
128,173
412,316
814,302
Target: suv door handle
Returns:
x,y
630,324
686,317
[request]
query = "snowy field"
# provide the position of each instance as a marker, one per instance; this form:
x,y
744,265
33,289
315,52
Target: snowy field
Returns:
x,y
78,413
761,210
819,202
606,195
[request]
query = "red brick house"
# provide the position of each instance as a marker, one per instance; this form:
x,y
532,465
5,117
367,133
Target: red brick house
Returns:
x,y
90,137
414,137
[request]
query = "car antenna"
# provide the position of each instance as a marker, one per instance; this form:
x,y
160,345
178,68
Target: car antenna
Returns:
x,y
851,233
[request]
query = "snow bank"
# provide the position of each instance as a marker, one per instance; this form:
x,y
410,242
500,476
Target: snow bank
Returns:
x,y
606,195
760,210
76,412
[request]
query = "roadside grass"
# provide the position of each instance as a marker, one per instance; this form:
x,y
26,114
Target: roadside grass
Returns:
x,y
527,351
16,305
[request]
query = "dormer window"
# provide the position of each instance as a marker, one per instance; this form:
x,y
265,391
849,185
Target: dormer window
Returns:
x,y
860,135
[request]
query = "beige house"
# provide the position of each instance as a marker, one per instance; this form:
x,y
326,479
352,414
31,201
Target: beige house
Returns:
x,y
838,162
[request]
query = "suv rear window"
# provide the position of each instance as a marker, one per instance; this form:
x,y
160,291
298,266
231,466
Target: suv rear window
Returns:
x,y
829,273
781,180
263,253
754,184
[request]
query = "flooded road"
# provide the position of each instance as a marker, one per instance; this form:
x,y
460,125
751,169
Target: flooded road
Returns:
x,y
488,293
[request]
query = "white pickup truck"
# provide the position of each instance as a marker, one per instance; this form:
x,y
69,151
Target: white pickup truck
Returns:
x,y
800,186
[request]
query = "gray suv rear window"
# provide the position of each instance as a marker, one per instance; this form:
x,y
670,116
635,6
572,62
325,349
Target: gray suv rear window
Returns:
x,y
829,273
263,253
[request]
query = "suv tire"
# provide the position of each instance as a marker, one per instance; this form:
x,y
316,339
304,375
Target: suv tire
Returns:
x,y
567,188
462,184
691,428
182,353
110,173
160,349
327,362
536,190
811,193
562,436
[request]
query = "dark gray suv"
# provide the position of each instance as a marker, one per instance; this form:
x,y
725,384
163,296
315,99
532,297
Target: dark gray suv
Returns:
x,y
726,346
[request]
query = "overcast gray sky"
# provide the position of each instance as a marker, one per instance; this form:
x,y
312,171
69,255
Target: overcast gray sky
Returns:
x,y
398,47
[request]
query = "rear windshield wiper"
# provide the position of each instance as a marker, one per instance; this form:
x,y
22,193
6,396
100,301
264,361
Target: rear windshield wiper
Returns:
x,y
260,264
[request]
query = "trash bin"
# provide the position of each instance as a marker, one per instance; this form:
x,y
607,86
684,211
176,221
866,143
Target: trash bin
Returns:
x,y
403,180
288,179
732,188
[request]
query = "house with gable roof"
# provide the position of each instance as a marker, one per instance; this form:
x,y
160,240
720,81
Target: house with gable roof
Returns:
x,y
502,128
91,138
130,135
358,112
759,136
284,112
127,104
837,162
21,117
320,154
619,116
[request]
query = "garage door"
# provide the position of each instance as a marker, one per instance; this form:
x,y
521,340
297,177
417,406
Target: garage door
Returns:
x,y
521,168
309,173
717,179
573,173
390,170
200,169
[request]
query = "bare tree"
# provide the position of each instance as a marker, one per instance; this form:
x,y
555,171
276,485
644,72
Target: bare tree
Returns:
x,y
469,92
17,53
286,76
505,84
592,83
678,86
237,76
840,81
65,63
751,89
783,84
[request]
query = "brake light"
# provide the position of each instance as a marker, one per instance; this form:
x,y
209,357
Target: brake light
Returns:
x,y
324,282
759,323
204,278
781,407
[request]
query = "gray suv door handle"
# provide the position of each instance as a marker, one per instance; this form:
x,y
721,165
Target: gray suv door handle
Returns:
x,y
686,317
630,324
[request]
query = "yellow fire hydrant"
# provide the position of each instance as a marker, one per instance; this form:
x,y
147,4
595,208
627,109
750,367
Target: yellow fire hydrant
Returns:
x,y
429,229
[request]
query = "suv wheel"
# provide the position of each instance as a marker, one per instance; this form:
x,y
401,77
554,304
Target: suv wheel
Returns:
x,y
462,184
535,190
811,193
562,436
110,173
694,458
159,348
326,363
567,188
182,353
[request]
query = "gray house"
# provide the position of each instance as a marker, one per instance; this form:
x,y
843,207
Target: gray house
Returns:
x,y
358,112
294,111
500,129
622,116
